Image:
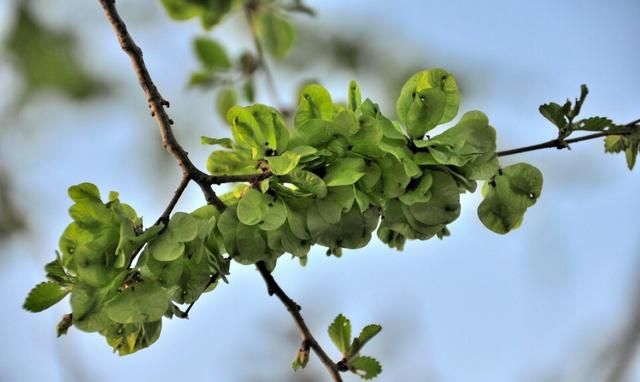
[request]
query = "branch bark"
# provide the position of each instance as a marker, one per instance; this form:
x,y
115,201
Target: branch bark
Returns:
x,y
294,310
157,105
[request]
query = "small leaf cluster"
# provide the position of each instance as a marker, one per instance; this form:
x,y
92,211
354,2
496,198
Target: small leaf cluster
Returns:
x,y
564,118
343,168
126,305
46,58
343,172
340,333
269,23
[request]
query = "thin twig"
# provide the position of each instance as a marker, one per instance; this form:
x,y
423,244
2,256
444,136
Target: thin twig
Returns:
x,y
164,218
294,309
211,281
157,104
564,143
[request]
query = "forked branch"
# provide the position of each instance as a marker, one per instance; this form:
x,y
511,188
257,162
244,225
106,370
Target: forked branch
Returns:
x,y
157,105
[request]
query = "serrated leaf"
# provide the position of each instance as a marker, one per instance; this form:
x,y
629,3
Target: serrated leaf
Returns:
x,y
555,113
44,295
366,334
593,124
55,271
614,143
340,333
365,367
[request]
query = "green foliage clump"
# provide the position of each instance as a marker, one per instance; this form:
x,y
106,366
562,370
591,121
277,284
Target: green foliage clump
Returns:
x,y
340,174
122,303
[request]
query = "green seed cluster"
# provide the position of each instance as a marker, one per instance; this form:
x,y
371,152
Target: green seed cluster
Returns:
x,y
340,174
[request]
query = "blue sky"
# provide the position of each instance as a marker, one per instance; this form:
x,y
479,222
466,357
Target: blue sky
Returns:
x,y
539,302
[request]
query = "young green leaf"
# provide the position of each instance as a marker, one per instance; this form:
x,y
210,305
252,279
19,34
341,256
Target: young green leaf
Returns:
x,y
427,99
283,164
344,172
340,333
593,124
315,103
225,100
513,190
252,208
365,367
301,360
141,301
278,34
354,99
44,295
211,53
555,113
85,192
224,142
366,334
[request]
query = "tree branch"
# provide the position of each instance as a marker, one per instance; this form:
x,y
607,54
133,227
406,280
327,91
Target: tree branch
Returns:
x,y
294,309
564,143
157,105
164,218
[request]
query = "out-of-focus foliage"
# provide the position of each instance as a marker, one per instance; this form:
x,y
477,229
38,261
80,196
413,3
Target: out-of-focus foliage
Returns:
x,y
11,219
46,59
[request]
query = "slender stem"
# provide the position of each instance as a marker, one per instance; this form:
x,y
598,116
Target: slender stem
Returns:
x,y
294,309
211,281
164,218
563,143
157,104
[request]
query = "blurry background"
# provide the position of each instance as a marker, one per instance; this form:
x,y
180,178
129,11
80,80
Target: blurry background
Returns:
x,y
552,301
